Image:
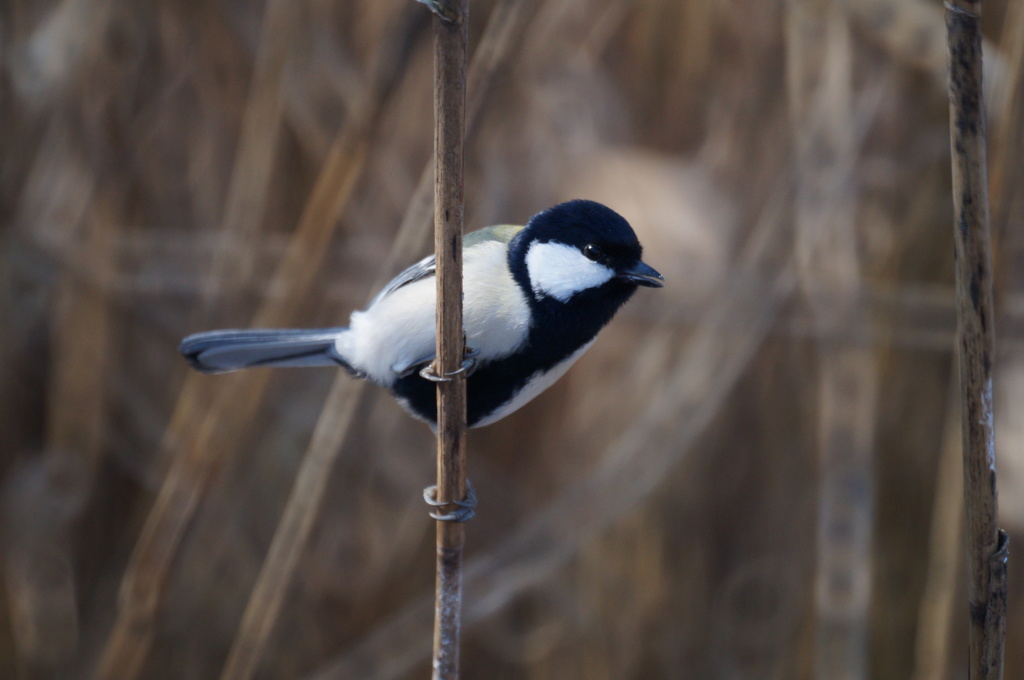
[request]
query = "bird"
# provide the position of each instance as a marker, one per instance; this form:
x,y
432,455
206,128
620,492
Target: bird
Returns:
x,y
534,299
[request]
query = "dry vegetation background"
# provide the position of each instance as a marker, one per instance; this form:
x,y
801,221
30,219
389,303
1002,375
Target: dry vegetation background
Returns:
x,y
753,474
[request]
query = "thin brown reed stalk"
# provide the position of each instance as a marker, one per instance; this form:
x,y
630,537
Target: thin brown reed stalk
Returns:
x,y
987,547
450,47
332,427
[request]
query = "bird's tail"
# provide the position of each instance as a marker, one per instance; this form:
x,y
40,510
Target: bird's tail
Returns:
x,y
221,351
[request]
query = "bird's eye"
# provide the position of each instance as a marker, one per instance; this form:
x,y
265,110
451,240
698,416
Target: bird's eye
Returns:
x,y
592,252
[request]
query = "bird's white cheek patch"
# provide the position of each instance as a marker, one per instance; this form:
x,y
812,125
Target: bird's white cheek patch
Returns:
x,y
561,271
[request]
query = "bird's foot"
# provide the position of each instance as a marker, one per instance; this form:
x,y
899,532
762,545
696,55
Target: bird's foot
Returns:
x,y
467,368
464,511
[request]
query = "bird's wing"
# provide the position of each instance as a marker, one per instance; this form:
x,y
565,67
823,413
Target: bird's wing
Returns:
x,y
421,270
428,266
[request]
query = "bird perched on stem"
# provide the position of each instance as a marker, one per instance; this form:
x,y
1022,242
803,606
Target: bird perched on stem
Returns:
x,y
534,299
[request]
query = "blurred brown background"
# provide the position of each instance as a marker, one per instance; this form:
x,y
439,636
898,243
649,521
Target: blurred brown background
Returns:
x,y
754,472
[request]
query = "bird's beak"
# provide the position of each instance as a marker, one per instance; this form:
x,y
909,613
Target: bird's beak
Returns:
x,y
642,275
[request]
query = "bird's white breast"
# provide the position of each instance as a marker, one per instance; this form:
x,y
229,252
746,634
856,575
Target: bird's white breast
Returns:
x,y
560,271
397,331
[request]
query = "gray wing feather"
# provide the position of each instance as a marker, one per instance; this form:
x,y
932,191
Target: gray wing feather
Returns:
x,y
421,270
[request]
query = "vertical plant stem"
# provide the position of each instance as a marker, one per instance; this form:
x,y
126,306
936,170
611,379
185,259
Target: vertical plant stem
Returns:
x,y
329,435
450,39
987,549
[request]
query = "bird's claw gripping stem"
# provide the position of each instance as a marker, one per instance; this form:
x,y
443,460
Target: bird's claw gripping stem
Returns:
x,y
468,366
464,511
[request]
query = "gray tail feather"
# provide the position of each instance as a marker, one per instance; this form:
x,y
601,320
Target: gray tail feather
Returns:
x,y
221,351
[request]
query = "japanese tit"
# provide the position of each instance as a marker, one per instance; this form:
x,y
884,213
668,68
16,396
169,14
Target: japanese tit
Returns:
x,y
534,299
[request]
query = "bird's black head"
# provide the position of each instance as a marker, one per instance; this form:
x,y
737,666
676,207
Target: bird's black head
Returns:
x,y
578,248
